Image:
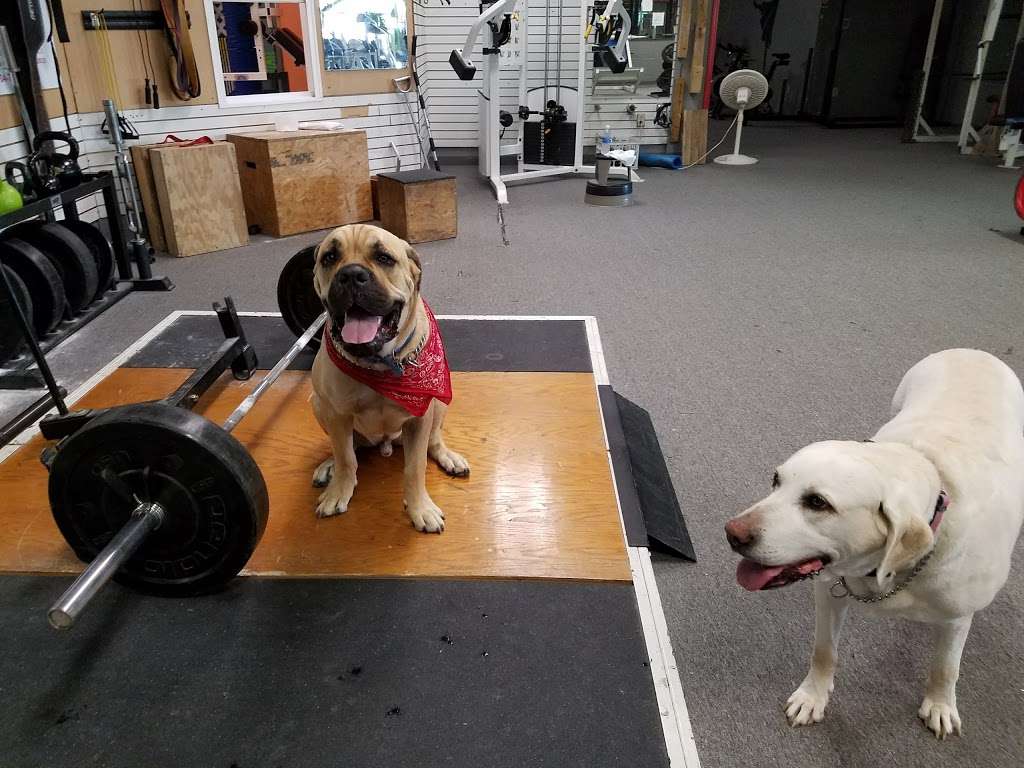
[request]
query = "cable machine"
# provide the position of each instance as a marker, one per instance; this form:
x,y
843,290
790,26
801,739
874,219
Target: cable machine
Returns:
x,y
552,145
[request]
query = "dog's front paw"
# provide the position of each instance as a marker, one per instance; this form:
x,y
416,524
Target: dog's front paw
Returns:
x,y
941,718
426,516
450,461
335,498
807,703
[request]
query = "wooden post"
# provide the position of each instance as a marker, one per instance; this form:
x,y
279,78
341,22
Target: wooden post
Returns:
x,y
694,129
698,52
695,136
683,30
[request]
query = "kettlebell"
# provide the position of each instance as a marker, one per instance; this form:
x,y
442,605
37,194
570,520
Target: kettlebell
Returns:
x,y
25,185
10,197
54,171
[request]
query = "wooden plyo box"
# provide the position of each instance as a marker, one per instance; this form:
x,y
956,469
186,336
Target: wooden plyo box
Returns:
x,y
418,206
300,181
147,191
200,198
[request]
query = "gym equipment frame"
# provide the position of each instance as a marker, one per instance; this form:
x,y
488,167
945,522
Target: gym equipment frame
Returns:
x,y
502,20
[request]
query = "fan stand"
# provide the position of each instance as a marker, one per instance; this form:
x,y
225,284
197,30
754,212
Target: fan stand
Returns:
x,y
735,158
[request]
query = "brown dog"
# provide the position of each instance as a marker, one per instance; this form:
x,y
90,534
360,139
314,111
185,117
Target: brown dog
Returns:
x,y
381,372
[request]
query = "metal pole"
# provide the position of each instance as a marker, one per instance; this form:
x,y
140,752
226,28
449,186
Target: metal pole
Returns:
x,y
929,53
145,519
988,32
300,344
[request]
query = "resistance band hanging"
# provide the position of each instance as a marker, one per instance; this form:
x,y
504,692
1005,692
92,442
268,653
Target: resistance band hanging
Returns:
x,y
183,70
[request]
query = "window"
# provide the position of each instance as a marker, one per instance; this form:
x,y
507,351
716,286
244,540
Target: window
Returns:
x,y
364,34
262,50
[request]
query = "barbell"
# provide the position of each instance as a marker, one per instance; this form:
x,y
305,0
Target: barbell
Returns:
x,y
158,497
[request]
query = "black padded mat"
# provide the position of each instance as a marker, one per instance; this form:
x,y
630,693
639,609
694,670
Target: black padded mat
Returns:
x,y
472,345
297,673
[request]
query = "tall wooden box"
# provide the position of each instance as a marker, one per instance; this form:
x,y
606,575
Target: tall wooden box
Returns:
x,y
200,198
419,205
299,181
147,191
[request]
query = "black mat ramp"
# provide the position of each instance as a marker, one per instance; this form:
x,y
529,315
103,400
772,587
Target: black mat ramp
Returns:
x,y
310,673
650,509
471,345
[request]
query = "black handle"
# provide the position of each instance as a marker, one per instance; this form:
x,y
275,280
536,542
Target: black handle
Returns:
x,y
9,170
45,136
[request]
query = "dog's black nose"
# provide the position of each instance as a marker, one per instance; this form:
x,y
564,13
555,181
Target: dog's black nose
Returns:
x,y
354,274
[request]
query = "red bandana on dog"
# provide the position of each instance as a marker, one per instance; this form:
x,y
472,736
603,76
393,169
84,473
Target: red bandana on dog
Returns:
x,y
424,379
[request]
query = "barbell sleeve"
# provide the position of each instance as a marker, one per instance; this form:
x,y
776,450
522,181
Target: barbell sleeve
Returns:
x,y
145,519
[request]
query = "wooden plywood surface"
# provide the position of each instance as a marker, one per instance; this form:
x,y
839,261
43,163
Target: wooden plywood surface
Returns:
x,y
695,136
147,191
419,212
700,33
200,198
300,181
538,504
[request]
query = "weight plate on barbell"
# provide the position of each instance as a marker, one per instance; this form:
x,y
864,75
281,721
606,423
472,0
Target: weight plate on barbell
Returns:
x,y
11,339
70,256
296,297
43,282
213,495
102,252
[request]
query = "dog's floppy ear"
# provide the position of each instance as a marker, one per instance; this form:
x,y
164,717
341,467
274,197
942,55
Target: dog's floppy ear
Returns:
x,y
415,259
905,510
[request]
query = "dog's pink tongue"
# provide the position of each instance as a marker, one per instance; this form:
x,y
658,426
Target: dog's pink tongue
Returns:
x,y
360,330
754,576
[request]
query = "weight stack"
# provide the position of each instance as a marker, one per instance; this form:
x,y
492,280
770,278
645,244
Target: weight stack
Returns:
x,y
557,147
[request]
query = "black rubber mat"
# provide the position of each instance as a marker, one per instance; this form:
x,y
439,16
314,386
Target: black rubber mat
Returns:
x,y
472,345
297,673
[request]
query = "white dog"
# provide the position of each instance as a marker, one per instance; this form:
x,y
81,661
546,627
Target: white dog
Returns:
x,y
872,519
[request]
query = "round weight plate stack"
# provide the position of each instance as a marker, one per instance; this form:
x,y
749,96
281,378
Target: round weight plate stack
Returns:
x,y
102,252
70,256
300,306
11,339
213,495
41,279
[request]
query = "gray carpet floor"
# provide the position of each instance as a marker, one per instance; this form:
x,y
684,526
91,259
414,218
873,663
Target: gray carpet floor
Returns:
x,y
751,310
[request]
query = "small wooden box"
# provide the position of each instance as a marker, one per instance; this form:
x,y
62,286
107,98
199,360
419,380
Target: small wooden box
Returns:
x,y
300,181
200,198
418,206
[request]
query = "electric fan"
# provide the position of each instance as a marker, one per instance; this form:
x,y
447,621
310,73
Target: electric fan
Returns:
x,y
741,90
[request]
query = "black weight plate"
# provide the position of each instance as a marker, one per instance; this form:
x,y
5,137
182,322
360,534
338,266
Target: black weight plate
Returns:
x,y
72,258
300,306
101,249
11,338
41,278
213,495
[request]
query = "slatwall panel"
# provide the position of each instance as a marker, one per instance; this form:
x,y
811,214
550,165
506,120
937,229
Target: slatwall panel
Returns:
x,y
387,121
453,104
14,146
